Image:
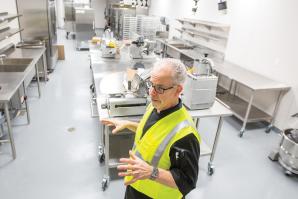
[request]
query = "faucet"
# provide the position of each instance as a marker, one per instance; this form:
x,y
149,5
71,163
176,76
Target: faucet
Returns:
x,y
209,62
2,56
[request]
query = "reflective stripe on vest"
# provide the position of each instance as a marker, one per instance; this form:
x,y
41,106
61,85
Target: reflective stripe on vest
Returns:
x,y
165,142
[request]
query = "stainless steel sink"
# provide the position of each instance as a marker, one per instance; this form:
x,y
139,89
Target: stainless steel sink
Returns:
x,y
14,64
182,46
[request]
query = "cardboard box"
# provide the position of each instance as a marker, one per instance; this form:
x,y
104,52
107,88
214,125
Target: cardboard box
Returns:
x,y
61,53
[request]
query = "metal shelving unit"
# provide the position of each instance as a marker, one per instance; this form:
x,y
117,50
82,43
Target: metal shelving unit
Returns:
x,y
239,106
8,32
5,30
209,36
253,82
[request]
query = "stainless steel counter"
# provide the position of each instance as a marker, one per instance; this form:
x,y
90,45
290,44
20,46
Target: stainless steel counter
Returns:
x,y
10,82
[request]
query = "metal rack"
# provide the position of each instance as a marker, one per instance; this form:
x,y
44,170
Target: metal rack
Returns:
x,y
5,30
243,110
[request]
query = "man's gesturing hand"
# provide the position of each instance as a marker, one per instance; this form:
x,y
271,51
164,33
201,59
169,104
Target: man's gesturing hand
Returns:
x,y
135,167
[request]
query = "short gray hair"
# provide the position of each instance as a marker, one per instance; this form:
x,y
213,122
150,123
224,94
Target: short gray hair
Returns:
x,y
177,67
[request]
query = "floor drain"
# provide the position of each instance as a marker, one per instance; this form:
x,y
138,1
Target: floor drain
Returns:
x,y
71,129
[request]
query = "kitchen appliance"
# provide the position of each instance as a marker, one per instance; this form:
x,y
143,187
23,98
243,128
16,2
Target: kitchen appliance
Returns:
x,y
69,18
141,48
126,94
84,26
39,23
108,45
200,86
287,153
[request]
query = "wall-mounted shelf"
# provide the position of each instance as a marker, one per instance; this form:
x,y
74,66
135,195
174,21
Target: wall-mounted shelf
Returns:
x,y
9,32
207,35
208,24
5,30
4,16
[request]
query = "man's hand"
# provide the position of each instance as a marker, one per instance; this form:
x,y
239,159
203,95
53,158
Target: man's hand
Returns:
x,y
118,124
135,167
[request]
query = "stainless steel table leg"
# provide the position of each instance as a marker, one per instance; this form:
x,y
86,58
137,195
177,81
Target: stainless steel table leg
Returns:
x,y
197,121
44,63
2,130
37,76
10,136
26,104
270,126
106,177
215,142
246,114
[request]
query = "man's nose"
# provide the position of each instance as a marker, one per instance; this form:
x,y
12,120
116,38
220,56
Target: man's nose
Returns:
x,y
152,92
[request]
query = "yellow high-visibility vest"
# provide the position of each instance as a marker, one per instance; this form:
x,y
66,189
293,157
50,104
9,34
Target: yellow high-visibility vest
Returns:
x,y
154,148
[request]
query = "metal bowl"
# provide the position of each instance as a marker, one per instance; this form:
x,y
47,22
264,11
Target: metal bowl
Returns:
x,y
288,152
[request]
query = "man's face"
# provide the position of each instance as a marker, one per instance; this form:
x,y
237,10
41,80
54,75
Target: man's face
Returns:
x,y
162,78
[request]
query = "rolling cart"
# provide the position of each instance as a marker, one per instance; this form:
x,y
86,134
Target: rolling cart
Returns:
x,y
112,147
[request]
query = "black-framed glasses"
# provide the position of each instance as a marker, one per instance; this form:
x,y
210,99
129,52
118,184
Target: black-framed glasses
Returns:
x,y
158,88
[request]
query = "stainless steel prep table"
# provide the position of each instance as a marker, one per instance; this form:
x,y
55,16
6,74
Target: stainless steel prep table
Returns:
x,y
34,53
10,83
254,82
101,67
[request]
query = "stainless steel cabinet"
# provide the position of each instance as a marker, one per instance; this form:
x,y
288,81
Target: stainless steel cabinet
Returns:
x,y
39,23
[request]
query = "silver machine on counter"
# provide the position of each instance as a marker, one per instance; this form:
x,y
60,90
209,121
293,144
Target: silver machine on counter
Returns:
x,y
126,93
39,23
108,44
200,86
140,48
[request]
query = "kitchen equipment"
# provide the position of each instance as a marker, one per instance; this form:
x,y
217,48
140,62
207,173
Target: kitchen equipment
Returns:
x,y
108,48
287,153
126,93
39,23
200,86
203,66
141,48
84,26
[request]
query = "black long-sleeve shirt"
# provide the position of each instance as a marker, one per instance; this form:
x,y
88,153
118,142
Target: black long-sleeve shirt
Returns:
x,y
184,157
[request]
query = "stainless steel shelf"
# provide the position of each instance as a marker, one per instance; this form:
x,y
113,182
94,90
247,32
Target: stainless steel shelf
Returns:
x,y
239,107
8,17
204,23
9,32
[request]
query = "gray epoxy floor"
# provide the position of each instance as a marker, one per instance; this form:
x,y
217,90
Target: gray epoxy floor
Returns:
x,y
55,163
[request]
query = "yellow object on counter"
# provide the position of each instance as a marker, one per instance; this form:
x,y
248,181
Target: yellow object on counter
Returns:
x,y
96,40
111,44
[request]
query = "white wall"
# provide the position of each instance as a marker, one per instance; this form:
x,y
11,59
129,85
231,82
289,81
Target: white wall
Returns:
x,y
262,39
10,7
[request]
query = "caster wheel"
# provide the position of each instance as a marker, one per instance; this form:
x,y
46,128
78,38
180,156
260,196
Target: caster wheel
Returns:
x,y
101,158
101,155
241,133
104,184
268,129
288,173
210,169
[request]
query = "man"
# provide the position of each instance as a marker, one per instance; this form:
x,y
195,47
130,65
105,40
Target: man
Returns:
x,y
164,160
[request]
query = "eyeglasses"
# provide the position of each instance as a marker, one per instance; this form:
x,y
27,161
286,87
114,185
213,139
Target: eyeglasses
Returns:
x,y
157,88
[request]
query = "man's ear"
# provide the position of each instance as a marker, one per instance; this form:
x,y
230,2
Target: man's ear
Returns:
x,y
179,89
